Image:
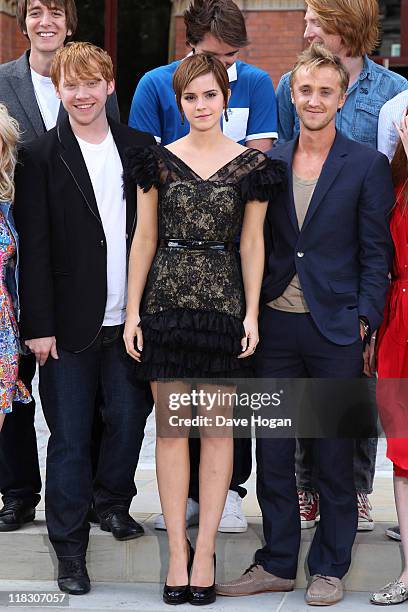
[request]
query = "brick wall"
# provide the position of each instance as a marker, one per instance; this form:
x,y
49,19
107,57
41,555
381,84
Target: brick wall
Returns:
x,y
276,40
12,42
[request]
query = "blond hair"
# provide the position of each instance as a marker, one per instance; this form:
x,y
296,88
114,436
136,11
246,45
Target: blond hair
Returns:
x,y
355,21
9,135
317,56
81,60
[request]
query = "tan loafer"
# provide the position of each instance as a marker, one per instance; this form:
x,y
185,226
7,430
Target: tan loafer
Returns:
x,y
255,580
324,591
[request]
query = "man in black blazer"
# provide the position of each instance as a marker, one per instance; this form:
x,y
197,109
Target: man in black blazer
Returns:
x,y
28,93
76,221
328,254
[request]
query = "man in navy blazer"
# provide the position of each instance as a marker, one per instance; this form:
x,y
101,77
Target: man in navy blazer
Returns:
x,y
328,255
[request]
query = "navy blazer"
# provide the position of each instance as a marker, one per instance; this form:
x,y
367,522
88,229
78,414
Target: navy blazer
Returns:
x,y
343,252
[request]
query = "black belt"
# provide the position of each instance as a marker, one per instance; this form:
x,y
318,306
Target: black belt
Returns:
x,y
196,245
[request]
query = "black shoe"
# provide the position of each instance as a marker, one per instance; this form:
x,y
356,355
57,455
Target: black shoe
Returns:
x,y
14,514
201,596
121,524
92,516
175,595
73,577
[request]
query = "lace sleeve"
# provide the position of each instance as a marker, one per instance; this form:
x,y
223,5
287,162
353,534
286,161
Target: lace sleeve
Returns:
x,y
265,181
142,167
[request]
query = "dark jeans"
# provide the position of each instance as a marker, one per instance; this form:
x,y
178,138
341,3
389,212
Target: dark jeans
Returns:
x,y
68,389
19,470
291,346
365,455
241,469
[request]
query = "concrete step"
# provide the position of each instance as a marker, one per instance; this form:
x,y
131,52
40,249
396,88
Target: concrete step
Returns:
x,y
29,555
142,597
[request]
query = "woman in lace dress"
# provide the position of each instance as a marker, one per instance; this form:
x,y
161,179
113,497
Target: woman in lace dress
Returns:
x,y
11,388
198,315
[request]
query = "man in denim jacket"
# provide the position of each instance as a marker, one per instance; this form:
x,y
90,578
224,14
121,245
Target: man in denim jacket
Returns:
x,y
349,30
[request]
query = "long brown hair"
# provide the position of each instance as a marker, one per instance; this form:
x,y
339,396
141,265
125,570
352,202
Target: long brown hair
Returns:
x,y
399,170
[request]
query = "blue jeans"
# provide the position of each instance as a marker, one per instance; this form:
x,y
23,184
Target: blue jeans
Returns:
x,y
68,387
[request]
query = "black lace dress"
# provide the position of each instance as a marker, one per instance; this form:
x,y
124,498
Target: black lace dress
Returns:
x,y
194,304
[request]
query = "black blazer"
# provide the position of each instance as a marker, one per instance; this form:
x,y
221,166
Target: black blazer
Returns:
x,y
63,280
343,253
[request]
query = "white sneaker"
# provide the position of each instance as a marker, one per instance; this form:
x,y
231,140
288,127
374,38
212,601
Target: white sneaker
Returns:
x,y
394,533
192,513
233,519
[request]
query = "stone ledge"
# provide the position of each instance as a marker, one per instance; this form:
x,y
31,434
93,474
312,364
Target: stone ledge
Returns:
x,y
142,597
30,557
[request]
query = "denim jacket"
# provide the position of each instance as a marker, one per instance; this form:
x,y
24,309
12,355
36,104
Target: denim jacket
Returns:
x,y
358,118
12,271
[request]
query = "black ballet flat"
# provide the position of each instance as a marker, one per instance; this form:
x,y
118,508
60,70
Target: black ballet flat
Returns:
x,y
176,595
202,596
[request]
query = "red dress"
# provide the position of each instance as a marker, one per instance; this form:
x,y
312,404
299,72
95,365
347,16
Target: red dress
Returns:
x,y
392,351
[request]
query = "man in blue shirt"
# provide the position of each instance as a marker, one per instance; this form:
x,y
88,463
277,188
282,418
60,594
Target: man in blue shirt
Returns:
x,y
349,30
217,28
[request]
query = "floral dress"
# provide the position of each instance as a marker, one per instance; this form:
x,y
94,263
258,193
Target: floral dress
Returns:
x,y
11,388
194,304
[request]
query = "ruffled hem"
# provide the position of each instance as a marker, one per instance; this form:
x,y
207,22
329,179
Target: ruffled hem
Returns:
x,y
21,393
265,183
183,343
141,167
17,394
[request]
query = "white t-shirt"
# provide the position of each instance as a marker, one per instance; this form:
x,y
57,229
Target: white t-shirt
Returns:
x,y
47,100
105,170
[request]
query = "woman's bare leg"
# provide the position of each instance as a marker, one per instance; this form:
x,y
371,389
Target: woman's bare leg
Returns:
x,y
1,420
401,501
215,474
173,475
